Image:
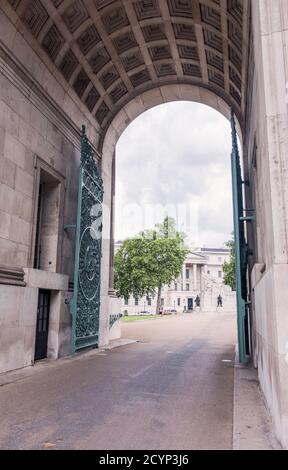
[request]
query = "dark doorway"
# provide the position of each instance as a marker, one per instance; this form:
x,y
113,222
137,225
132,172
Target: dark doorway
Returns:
x,y
190,304
42,325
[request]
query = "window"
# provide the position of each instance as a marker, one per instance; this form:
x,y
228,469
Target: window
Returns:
x,y
162,302
219,273
178,302
182,287
187,286
208,272
149,301
187,273
136,301
175,286
219,259
126,302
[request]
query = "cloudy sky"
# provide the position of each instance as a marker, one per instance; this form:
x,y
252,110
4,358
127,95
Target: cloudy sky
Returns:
x,y
175,159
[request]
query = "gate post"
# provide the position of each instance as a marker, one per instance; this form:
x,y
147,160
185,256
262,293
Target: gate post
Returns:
x,y
240,248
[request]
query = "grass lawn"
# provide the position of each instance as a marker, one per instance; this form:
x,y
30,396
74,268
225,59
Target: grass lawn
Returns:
x,y
130,318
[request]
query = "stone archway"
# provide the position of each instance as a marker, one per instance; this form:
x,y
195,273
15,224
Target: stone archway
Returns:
x,y
106,52
65,63
137,106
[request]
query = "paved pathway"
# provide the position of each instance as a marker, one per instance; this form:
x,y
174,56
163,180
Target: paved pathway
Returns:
x,y
171,390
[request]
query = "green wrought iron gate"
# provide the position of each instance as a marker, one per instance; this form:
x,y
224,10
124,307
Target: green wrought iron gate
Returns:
x,y
85,303
241,249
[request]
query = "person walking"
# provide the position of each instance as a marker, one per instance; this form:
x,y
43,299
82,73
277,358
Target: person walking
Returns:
x,y
219,301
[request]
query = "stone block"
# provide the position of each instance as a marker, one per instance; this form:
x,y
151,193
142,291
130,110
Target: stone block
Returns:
x,y
5,220
29,162
2,138
170,93
54,323
20,230
6,198
11,349
46,280
22,207
115,331
152,98
24,182
13,254
11,298
64,340
208,98
114,309
7,252
18,102
7,31
189,93
27,135
104,321
134,108
38,121
7,172
21,255
29,346
280,274
9,120
28,315
14,151
54,136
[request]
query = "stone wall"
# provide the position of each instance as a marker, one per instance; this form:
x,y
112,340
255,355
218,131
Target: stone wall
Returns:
x,y
267,139
40,122
28,137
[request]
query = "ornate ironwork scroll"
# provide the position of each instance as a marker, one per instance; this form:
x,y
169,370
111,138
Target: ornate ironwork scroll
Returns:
x,y
241,249
85,304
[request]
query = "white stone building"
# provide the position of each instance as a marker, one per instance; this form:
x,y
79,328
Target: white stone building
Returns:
x,y
202,275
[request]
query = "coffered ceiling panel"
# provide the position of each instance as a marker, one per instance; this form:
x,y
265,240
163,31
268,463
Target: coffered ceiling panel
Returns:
x,y
111,50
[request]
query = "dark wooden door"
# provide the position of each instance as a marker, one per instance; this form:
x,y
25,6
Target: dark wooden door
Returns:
x,y
42,325
190,304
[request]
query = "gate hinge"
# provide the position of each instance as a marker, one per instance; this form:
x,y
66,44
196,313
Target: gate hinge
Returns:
x,y
67,226
249,218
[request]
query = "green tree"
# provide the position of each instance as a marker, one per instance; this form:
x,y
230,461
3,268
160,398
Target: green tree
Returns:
x,y
146,263
230,267
168,229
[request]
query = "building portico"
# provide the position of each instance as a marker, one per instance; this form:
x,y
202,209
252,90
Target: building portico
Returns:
x,y
201,275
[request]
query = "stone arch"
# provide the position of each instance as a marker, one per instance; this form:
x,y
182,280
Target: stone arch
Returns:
x,y
134,108
154,97
105,53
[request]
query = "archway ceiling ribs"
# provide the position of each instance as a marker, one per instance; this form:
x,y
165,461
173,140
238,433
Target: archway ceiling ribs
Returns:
x,y
111,50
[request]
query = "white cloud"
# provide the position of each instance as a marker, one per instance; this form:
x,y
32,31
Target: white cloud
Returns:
x,y
176,154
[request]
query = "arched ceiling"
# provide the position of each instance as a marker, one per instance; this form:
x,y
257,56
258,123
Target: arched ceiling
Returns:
x,y
109,51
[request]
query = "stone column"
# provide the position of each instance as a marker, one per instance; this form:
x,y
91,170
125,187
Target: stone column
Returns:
x,y
201,278
112,217
184,275
195,277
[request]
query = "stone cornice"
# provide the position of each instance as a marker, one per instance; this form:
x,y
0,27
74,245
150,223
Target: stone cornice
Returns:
x,y
12,276
13,71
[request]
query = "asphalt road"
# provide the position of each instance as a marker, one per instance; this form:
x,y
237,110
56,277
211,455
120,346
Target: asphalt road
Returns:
x,y
171,390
